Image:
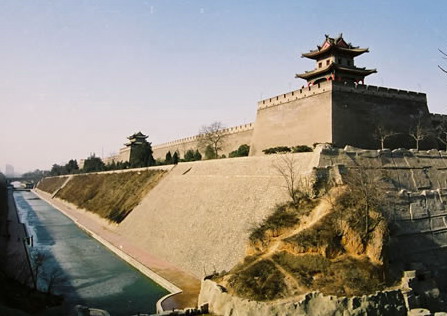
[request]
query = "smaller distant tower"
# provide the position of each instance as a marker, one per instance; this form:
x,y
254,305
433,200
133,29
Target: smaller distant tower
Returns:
x,y
136,139
335,61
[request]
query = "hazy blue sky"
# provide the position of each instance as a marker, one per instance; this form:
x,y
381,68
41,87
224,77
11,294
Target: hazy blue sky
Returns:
x,y
77,77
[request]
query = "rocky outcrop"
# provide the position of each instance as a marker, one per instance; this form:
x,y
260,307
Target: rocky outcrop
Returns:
x,y
220,302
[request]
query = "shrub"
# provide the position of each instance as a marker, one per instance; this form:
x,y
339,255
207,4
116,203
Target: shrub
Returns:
x,y
276,150
301,149
242,151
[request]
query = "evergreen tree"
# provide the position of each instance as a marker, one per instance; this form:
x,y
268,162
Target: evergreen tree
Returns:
x,y
175,158
93,164
72,166
197,155
168,158
141,155
189,155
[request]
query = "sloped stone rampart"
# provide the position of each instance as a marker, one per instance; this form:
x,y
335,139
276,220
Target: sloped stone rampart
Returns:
x,y
200,215
389,303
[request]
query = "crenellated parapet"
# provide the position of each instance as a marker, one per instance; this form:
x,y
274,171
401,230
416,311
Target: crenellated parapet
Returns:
x,y
326,86
379,91
226,131
302,93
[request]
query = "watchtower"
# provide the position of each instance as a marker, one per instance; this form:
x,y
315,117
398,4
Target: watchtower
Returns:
x,y
336,107
335,61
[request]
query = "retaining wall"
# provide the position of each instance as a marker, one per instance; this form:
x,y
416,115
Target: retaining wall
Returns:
x,y
382,303
199,216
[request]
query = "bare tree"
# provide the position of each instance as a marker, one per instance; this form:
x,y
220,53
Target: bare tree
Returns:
x,y
441,133
365,190
212,136
444,56
297,185
418,132
381,133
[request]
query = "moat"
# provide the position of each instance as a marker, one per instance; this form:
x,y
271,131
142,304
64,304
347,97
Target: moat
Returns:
x,y
87,273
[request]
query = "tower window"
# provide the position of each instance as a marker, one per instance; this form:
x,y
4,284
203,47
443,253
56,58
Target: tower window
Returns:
x,y
327,62
319,65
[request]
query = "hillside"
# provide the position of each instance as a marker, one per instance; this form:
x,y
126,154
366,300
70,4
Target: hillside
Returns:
x,y
318,244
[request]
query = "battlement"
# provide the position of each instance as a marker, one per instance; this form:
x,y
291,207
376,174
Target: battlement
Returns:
x,y
379,91
226,131
302,93
325,86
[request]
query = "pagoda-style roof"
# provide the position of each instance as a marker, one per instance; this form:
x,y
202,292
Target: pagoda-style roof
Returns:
x,y
335,46
136,139
335,61
336,68
139,135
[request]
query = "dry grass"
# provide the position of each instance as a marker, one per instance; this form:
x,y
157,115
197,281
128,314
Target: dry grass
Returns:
x,y
261,281
284,216
50,185
112,196
329,256
344,276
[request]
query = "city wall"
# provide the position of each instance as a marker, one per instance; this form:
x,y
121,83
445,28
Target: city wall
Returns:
x,y
328,112
357,111
341,114
301,117
234,137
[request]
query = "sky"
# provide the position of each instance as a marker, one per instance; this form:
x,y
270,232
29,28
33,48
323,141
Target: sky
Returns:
x,y
79,76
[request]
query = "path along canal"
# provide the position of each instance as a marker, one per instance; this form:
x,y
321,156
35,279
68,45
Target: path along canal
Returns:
x,y
85,272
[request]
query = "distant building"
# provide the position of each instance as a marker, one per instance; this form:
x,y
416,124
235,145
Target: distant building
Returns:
x,y
9,170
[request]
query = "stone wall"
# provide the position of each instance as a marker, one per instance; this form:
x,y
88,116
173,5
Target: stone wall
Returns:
x,y
342,114
199,216
382,303
417,187
234,137
301,117
358,110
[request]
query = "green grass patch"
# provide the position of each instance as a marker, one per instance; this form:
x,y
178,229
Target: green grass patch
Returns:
x,y
261,281
50,185
113,195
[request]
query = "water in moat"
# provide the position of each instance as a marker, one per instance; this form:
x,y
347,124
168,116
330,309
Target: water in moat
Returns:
x,y
82,269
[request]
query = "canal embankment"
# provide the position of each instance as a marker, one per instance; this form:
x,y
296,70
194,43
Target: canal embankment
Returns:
x,y
193,222
18,289
184,288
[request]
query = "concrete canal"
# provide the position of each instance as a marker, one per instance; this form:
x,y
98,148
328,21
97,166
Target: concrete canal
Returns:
x,y
79,267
